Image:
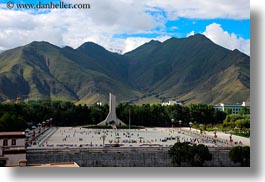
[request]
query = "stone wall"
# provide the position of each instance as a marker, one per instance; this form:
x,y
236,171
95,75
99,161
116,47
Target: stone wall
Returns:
x,y
136,157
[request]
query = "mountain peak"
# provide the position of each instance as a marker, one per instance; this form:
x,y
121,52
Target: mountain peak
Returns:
x,y
41,43
154,41
198,37
193,38
91,46
68,48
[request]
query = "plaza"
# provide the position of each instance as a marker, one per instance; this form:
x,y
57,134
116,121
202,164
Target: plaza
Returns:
x,y
78,137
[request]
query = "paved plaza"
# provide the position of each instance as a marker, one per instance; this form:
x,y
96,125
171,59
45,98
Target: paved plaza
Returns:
x,y
77,137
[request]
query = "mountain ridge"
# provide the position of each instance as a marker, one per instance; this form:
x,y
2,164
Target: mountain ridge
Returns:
x,y
193,69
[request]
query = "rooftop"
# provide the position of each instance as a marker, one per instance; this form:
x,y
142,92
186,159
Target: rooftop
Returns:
x,y
23,163
16,134
62,164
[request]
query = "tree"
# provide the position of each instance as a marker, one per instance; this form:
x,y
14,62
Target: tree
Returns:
x,y
180,153
228,111
240,154
14,116
237,120
200,155
244,111
195,155
12,122
202,113
219,116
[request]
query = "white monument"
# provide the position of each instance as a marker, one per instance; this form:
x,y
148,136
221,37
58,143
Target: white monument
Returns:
x,y
111,118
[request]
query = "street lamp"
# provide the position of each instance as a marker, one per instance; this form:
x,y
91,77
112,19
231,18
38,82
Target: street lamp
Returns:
x,y
190,123
33,131
172,121
39,125
180,124
27,132
49,122
43,123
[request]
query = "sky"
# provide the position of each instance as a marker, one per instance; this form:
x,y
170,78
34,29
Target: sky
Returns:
x,y
123,25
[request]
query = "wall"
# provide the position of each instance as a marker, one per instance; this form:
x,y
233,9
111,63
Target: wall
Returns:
x,y
19,142
13,159
117,157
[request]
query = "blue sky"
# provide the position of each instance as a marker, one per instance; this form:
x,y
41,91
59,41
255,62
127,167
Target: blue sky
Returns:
x,y
121,26
182,26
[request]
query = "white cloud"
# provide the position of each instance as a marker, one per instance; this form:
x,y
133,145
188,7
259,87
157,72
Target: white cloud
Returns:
x,y
74,27
107,18
207,9
125,45
228,40
190,34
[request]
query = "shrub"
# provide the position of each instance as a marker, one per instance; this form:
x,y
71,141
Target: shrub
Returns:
x,y
195,155
240,154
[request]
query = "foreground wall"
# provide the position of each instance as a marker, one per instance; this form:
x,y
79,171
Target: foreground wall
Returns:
x,y
117,157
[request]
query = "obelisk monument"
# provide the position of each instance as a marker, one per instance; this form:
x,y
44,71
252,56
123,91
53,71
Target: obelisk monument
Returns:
x,y
111,118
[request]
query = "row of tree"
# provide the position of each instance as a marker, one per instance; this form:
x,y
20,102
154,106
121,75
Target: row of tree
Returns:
x,y
158,115
17,116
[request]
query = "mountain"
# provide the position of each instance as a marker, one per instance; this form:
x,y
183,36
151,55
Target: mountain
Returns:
x,y
43,71
112,64
192,69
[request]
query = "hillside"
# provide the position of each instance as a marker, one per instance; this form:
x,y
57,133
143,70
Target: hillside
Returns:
x,y
43,71
192,69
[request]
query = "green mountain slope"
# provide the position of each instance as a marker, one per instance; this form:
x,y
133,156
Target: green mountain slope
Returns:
x,y
181,69
111,64
192,69
43,71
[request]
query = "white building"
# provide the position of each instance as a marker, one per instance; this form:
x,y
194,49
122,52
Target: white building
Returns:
x,y
171,103
235,108
12,148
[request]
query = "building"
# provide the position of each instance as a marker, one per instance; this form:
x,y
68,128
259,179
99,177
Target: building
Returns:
x,y
171,103
235,108
12,148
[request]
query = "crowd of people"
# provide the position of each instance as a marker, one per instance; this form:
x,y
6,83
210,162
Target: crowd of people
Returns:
x,y
162,137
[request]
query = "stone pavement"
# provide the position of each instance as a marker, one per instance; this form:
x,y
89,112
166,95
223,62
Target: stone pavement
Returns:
x,y
77,137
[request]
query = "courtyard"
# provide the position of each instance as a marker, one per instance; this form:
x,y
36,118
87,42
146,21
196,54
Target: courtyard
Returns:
x,y
78,137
